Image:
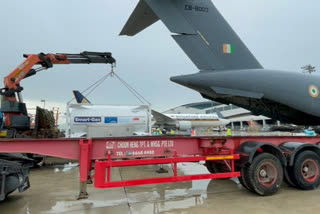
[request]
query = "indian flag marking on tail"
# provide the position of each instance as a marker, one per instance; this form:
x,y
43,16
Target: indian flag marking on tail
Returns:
x,y
313,91
228,48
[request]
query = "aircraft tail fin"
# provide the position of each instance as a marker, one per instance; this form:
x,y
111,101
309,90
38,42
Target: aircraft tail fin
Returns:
x,y
219,114
199,29
80,98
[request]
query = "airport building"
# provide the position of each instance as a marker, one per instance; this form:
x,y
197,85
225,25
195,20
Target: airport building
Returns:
x,y
240,118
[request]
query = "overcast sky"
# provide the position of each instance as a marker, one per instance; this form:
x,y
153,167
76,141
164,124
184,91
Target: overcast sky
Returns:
x,y
282,34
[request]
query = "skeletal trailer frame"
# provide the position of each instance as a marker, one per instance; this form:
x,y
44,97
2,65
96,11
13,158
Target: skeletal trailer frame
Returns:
x,y
100,155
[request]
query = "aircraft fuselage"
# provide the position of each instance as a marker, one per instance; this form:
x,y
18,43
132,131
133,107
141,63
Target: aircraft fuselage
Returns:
x,y
290,97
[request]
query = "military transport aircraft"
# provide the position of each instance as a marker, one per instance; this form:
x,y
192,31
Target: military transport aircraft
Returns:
x,y
229,73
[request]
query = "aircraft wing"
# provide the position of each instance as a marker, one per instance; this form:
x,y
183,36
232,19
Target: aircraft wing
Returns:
x,y
162,119
249,118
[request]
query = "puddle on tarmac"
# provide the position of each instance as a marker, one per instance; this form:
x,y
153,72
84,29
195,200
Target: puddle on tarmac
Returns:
x,y
64,206
65,167
53,190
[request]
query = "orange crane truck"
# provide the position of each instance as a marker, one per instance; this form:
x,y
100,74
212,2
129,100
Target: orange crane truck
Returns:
x,y
14,119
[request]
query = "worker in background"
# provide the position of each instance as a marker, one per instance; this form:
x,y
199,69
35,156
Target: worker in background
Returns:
x,y
1,120
229,133
158,132
193,132
164,131
154,131
3,133
310,132
172,132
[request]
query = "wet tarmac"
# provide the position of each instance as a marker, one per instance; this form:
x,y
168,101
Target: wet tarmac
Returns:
x,y
54,189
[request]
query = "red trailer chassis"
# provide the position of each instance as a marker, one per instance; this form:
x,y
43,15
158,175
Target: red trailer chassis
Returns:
x,y
234,152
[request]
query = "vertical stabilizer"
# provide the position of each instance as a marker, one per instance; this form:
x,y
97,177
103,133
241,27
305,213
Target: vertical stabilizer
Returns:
x,y
200,30
80,98
219,114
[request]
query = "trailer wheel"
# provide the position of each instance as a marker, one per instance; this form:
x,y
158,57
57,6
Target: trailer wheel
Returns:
x,y
216,167
305,172
209,166
244,178
287,177
266,174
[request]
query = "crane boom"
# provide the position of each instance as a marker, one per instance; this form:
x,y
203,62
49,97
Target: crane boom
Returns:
x,y
25,69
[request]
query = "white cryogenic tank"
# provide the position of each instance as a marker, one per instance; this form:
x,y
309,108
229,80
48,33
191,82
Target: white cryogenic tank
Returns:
x,y
108,120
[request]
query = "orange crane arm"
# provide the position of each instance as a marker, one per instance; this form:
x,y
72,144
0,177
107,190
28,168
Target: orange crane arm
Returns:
x,y
12,106
25,69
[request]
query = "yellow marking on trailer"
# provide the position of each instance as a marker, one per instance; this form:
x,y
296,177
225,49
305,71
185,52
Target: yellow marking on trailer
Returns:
x,y
229,157
3,134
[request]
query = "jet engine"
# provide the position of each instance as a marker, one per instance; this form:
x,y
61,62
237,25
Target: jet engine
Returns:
x,y
184,125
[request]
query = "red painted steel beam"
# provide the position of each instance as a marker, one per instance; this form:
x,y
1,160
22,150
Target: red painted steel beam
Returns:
x,y
101,166
141,162
61,148
69,148
141,146
235,141
149,181
85,159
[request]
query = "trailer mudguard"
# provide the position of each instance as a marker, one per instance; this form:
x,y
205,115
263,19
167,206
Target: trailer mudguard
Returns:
x,y
248,150
292,149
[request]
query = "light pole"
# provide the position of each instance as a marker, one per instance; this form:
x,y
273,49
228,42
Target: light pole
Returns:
x,y
44,103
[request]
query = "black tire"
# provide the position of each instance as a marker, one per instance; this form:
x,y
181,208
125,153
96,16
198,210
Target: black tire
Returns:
x,y
287,178
265,174
244,178
306,179
209,166
217,167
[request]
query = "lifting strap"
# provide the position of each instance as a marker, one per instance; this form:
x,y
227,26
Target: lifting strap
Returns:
x,y
96,84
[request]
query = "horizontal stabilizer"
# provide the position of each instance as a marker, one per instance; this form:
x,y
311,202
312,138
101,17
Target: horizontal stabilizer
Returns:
x,y
240,93
141,18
